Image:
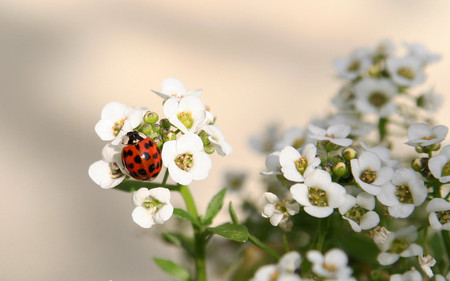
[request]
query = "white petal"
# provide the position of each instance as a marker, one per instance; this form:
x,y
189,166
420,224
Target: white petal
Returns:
x,y
319,212
436,164
412,251
438,204
173,87
189,143
140,195
163,214
300,194
161,194
100,173
202,165
104,130
401,210
141,216
114,111
366,200
340,130
275,219
270,197
387,258
169,152
369,220
178,175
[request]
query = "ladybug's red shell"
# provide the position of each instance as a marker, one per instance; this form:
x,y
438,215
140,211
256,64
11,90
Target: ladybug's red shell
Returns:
x,y
141,157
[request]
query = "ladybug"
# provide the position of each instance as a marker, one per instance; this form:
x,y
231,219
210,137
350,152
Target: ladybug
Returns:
x,y
141,156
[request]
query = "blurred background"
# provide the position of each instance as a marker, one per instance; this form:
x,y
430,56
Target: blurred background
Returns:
x,y
257,62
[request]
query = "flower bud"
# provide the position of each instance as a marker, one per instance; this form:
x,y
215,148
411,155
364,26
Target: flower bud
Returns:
x,y
156,128
349,153
419,164
165,123
209,149
158,140
147,129
153,135
151,117
340,169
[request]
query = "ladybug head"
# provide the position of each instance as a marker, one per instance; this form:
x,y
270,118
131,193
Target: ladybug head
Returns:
x,y
133,137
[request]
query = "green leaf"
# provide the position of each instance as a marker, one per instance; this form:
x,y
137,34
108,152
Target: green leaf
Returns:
x,y
235,232
233,215
173,269
186,216
214,206
180,240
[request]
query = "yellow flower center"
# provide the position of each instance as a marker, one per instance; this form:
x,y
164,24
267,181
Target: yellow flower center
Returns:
x,y
317,197
118,126
406,72
184,161
186,119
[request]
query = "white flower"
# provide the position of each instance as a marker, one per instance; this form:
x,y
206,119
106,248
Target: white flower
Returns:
x,y
319,195
405,192
369,173
296,166
439,216
116,120
278,211
185,159
283,271
430,101
421,53
336,134
273,164
399,244
421,134
359,211
385,48
412,275
218,139
174,88
406,71
354,66
439,165
331,265
374,96
187,114
426,263
107,173
358,126
152,206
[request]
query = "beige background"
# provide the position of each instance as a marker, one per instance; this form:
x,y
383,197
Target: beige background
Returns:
x,y
257,61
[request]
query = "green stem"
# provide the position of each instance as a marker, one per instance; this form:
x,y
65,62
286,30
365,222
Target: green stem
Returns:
x,y
286,243
323,229
166,176
199,234
382,128
446,238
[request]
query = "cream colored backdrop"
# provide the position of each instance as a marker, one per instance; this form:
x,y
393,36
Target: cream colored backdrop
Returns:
x,y
257,61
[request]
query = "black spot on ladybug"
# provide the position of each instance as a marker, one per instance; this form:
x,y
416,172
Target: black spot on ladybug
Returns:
x,y
156,155
137,159
148,144
127,153
157,165
151,168
137,146
131,166
142,172
134,174
146,155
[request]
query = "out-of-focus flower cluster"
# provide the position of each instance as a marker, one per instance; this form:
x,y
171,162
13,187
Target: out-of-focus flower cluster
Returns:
x,y
343,171
184,140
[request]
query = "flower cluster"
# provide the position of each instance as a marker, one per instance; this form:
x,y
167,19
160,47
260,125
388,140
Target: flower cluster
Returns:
x,y
140,144
335,168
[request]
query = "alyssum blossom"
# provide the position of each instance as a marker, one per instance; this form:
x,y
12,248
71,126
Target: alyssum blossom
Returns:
x,y
375,96
439,216
296,166
278,211
152,206
217,138
336,134
359,211
440,165
187,114
283,271
404,193
331,265
420,134
116,120
399,244
369,172
107,173
318,194
186,159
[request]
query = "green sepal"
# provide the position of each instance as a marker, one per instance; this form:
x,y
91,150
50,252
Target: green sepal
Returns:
x,y
186,216
231,231
214,207
180,240
173,269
